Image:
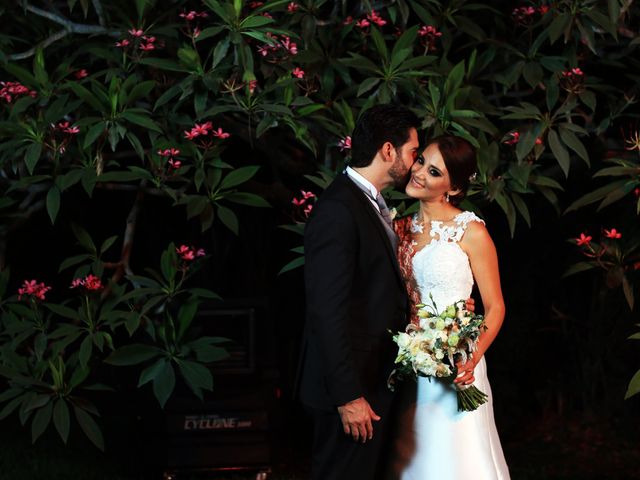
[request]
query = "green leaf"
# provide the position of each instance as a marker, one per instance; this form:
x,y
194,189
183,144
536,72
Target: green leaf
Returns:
x,y
228,218
63,311
94,132
578,268
168,263
186,314
61,419
89,427
41,421
204,293
141,120
367,85
561,154
634,386
86,349
89,98
53,203
32,155
571,140
132,355
253,21
238,176
107,244
196,375
151,372
83,238
298,262
380,44
164,383
163,64
249,199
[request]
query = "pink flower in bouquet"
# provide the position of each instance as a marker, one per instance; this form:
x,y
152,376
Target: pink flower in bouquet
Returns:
x,y
80,74
345,143
583,240
307,210
136,32
33,289
292,7
123,43
298,72
613,233
307,195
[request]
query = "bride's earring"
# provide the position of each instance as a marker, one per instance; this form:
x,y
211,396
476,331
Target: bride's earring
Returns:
x,y
446,197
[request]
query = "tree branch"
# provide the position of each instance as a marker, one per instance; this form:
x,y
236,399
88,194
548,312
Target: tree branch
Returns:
x,y
69,27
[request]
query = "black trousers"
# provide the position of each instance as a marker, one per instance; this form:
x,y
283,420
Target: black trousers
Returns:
x,y
336,456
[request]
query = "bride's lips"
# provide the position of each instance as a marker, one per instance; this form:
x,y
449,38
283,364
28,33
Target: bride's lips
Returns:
x,y
415,183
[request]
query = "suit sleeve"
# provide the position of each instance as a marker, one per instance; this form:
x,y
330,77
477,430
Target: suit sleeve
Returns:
x,y
331,243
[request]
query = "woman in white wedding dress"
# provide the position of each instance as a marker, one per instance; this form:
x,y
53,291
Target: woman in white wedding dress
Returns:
x,y
441,250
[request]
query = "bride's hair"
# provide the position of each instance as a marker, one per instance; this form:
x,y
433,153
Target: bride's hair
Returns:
x,y
460,159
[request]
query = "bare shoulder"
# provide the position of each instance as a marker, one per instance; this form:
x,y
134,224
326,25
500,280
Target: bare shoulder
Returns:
x,y
476,237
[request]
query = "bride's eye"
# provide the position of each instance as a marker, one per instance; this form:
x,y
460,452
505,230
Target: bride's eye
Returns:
x,y
420,159
433,172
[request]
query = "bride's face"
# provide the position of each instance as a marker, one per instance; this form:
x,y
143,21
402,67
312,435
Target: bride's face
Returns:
x,y
429,176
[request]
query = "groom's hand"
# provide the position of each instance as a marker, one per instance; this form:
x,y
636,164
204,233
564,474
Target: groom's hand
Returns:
x,y
356,417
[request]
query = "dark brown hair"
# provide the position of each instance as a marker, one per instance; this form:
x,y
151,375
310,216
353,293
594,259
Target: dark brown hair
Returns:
x,y
460,159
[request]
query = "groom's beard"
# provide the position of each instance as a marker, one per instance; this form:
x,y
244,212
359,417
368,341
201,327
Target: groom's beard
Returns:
x,y
399,174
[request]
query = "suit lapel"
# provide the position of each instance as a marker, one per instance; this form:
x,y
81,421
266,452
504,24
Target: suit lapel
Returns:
x,y
377,222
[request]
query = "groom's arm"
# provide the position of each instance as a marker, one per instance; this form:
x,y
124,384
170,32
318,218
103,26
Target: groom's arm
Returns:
x,y
330,262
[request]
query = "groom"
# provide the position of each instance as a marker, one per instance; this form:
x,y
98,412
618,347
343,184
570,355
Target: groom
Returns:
x,y
355,295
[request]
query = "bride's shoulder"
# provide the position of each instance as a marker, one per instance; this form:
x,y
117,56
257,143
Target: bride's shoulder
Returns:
x,y
467,217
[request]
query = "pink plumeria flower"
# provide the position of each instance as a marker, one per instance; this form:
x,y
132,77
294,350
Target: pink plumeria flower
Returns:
x,y
307,195
147,47
253,85
255,4
515,138
297,72
430,31
169,152
543,9
76,282
33,289
345,143
613,233
123,43
292,7
364,23
583,239
220,134
196,32
92,283
307,210
348,20
200,252
174,164
538,141
135,32
292,47
185,253
80,74
189,16
298,201
377,19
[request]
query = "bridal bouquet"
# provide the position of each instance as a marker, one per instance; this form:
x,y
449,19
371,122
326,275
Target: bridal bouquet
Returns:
x,y
432,348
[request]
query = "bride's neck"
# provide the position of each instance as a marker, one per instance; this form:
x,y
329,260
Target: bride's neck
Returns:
x,y
436,211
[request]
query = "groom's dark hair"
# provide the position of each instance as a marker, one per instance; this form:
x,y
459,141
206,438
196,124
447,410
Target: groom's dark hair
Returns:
x,y
377,125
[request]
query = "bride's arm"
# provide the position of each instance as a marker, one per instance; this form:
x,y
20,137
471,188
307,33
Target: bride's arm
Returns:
x,y
483,258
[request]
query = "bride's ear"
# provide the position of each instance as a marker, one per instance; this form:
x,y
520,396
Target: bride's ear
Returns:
x,y
453,192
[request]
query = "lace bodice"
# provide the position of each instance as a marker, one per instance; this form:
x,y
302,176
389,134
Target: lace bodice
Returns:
x,y
441,268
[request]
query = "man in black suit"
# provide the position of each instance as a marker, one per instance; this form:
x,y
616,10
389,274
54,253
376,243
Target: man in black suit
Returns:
x,y
355,295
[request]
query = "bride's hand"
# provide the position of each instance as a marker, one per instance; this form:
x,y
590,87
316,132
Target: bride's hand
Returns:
x,y
470,304
465,372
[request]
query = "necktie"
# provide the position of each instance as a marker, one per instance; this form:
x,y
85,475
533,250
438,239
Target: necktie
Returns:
x,y
384,210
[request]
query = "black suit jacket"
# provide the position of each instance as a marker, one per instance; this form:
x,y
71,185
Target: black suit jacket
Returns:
x,y
354,296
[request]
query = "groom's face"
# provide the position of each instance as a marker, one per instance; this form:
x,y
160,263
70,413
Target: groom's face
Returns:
x,y
405,156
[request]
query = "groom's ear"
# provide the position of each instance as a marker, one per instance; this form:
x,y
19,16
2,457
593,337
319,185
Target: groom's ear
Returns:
x,y
387,151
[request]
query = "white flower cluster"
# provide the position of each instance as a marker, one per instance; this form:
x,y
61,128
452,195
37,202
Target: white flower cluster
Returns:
x,y
432,348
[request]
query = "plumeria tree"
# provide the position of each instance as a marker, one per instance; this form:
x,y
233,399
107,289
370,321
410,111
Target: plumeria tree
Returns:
x,y
208,107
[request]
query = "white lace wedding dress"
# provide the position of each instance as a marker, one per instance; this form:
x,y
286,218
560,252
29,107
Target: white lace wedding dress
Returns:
x,y
435,441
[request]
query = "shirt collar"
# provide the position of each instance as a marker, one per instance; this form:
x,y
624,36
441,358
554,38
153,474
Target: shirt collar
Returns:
x,y
356,177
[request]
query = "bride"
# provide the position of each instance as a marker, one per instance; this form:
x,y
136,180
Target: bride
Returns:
x,y
442,249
